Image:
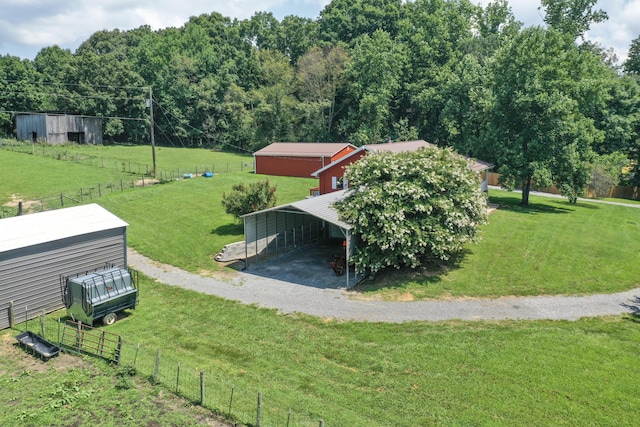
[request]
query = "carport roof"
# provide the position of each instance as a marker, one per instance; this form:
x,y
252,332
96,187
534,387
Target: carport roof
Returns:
x,y
319,206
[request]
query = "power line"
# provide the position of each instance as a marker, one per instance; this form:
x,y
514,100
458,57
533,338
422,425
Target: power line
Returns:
x,y
164,113
107,97
75,95
77,84
82,115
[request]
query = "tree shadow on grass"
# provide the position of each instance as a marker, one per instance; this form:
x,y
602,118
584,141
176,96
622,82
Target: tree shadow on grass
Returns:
x,y
429,274
634,308
513,205
229,230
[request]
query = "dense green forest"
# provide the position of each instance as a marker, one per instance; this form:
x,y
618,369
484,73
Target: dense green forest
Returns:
x,y
540,102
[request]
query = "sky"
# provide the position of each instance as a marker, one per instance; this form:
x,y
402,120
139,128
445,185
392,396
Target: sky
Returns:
x,y
26,26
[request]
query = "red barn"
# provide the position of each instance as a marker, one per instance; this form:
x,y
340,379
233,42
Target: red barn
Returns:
x,y
299,159
331,176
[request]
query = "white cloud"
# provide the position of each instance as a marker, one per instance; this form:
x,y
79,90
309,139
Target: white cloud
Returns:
x,y
26,26
620,29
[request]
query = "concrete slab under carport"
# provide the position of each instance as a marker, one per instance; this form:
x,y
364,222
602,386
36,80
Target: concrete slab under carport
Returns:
x,y
307,266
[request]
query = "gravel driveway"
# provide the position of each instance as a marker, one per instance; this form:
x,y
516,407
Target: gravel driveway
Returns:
x,y
289,297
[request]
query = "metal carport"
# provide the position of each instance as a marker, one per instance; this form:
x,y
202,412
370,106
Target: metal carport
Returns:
x,y
288,227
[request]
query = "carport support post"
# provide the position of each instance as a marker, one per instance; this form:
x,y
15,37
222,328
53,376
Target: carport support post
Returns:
x,y
346,254
256,238
266,233
246,251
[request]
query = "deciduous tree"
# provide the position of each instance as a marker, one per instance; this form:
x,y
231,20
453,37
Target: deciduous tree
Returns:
x,y
544,87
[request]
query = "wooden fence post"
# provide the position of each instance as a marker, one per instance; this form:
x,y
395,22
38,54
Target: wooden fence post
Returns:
x,y
43,324
202,388
259,415
135,358
178,380
11,314
157,368
233,386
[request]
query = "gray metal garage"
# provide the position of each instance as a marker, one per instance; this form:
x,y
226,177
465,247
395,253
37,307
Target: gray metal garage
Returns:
x,y
272,232
37,250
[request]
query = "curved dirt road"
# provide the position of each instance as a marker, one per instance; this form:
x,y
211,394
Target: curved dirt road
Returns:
x,y
335,303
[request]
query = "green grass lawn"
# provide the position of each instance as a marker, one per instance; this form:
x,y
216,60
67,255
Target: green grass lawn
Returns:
x,y
184,223
550,247
138,159
31,177
70,391
369,374
372,374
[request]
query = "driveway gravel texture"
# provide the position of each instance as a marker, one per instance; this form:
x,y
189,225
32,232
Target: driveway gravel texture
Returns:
x,y
336,303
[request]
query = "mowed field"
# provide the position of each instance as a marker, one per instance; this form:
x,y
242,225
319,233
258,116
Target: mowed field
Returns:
x,y
365,374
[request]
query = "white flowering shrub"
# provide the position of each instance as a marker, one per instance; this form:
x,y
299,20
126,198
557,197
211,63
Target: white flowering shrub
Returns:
x,y
411,207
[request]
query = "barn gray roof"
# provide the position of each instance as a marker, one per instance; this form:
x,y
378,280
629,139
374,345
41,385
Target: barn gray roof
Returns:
x,y
33,229
303,149
319,206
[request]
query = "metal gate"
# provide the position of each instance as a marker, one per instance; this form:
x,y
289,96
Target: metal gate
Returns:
x,y
81,338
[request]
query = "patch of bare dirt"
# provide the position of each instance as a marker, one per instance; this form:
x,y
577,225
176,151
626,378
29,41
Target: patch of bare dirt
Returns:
x,y
492,208
146,182
10,349
28,206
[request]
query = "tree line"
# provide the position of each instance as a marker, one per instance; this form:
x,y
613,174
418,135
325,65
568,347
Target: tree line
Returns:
x,y
541,103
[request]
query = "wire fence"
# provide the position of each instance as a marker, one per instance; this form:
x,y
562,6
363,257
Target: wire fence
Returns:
x,y
136,175
61,152
234,400
82,195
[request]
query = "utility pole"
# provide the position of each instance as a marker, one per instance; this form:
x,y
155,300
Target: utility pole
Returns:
x,y
153,140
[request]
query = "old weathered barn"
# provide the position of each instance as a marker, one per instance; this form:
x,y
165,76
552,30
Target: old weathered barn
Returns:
x,y
38,250
298,159
59,128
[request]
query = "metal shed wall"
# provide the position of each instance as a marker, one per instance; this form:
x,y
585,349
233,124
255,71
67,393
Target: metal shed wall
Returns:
x,y
30,274
55,128
58,127
272,232
28,123
275,232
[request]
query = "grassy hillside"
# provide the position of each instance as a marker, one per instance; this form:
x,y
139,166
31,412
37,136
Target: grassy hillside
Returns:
x,y
551,247
368,374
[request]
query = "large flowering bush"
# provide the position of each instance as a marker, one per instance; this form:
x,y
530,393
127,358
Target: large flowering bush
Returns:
x,y
413,206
